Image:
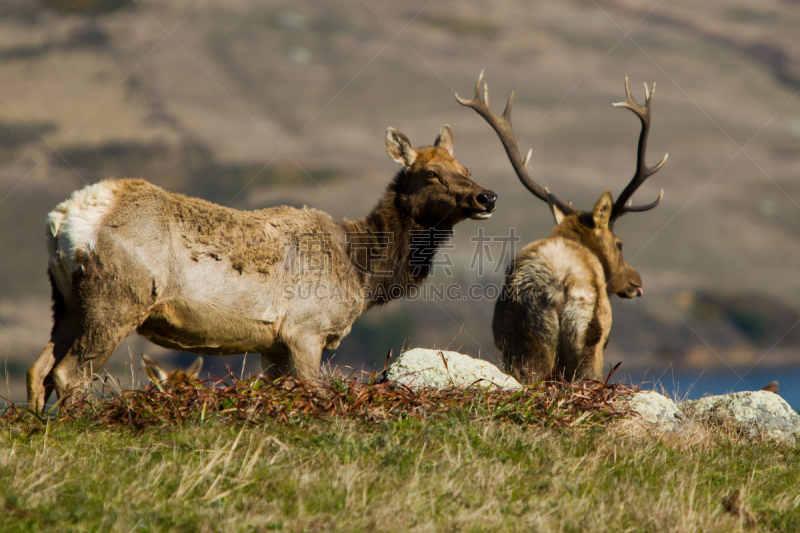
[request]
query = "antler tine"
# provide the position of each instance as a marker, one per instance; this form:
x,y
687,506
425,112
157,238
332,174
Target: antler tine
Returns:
x,y
642,170
502,126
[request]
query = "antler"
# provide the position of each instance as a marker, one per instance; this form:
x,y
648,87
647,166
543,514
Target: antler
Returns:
x,y
502,126
642,170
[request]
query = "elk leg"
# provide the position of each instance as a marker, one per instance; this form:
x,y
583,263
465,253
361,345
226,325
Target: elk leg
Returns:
x,y
586,361
536,359
595,338
37,373
86,356
39,377
596,369
110,299
581,332
540,343
305,354
526,333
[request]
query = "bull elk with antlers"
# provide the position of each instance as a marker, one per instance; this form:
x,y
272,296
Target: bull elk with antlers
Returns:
x,y
194,276
553,315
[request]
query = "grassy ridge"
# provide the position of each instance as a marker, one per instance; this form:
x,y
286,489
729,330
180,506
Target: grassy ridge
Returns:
x,y
437,461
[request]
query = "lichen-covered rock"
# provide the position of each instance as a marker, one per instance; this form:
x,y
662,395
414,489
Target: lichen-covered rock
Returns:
x,y
654,409
753,415
420,368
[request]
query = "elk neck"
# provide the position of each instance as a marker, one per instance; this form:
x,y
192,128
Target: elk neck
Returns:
x,y
389,249
580,229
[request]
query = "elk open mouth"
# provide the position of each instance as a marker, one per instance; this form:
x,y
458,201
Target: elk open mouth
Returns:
x,y
632,292
478,214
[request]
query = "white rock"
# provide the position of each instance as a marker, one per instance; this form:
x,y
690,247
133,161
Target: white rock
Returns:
x,y
420,368
654,409
754,414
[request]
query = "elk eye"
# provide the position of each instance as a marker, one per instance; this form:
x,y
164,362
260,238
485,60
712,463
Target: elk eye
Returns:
x,y
619,245
431,174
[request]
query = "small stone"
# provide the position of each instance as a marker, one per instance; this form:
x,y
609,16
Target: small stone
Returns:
x,y
653,409
420,368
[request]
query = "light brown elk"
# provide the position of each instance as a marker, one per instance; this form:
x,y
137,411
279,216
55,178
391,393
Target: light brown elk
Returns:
x,y
194,276
172,377
553,315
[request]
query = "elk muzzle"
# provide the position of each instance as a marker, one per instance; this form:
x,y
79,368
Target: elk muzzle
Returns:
x,y
633,290
481,205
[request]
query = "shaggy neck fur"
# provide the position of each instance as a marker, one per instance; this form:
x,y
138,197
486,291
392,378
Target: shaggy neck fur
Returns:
x,y
580,228
389,249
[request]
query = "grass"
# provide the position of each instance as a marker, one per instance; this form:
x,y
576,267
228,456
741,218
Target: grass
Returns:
x,y
345,456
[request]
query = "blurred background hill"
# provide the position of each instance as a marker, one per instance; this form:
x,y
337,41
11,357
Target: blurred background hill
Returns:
x,y
253,104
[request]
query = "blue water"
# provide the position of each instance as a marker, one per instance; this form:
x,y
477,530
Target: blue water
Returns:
x,y
682,384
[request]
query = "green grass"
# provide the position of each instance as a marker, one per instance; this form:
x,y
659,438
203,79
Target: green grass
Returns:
x,y
396,461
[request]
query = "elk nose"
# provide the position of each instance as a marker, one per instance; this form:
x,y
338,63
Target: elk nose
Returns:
x,y
487,199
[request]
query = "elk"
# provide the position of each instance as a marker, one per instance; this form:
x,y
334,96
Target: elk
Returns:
x,y
157,374
198,277
553,315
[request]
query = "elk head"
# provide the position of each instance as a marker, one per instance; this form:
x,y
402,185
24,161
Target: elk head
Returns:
x,y
172,377
438,188
593,229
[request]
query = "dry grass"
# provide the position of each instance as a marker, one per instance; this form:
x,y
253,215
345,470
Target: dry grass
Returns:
x,y
256,400
345,456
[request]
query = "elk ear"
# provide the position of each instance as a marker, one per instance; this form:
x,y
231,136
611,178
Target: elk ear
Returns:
x,y
399,148
602,211
446,139
194,370
153,370
558,214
